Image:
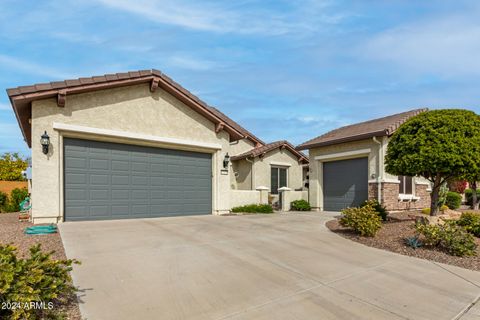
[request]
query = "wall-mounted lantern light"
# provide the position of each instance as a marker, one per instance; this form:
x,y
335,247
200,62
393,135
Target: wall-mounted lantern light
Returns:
x,y
226,160
45,142
373,176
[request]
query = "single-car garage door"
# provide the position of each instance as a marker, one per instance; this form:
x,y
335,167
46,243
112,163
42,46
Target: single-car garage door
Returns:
x,y
116,181
345,183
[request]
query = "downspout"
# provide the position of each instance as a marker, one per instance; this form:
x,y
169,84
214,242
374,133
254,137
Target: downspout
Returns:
x,y
380,169
251,172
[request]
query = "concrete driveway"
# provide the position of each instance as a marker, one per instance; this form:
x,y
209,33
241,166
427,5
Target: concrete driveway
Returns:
x,y
282,266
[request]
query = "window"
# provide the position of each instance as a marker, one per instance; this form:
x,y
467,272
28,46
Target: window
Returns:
x,y
278,178
406,185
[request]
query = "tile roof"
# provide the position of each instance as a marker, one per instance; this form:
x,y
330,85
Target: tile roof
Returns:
x,y
260,151
21,97
238,127
385,126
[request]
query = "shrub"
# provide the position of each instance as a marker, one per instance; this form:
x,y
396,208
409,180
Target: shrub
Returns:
x,y
470,221
38,278
450,237
457,241
431,233
468,195
427,210
300,205
364,221
3,200
454,200
254,208
16,196
379,209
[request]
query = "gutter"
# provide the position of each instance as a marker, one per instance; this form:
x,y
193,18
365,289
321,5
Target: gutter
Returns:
x,y
251,172
380,169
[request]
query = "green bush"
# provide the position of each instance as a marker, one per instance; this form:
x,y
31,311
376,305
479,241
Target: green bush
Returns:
x,y
430,232
454,200
300,205
3,200
450,237
468,195
254,208
379,209
16,196
470,221
38,278
364,221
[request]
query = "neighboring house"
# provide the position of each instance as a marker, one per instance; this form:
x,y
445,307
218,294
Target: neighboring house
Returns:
x,y
136,145
347,167
272,165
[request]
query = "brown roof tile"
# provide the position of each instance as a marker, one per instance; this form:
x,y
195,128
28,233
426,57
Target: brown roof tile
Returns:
x,y
234,124
377,127
21,97
259,151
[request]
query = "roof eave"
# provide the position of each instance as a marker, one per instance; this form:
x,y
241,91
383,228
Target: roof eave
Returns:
x,y
306,146
21,101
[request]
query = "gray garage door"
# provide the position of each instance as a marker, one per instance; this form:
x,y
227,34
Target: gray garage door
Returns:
x,y
118,181
345,183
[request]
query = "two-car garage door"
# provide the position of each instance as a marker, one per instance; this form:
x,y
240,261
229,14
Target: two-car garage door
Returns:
x,y
345,183
106,180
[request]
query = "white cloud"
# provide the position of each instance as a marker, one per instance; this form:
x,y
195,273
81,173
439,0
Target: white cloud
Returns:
x,y
5,107
191,63
28,67
235,17
444,45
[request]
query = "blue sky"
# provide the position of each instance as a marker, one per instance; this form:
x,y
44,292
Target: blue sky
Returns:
x,y
284,69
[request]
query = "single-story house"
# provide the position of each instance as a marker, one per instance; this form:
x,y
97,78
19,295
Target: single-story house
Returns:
x,y
274,165
136,145
347,167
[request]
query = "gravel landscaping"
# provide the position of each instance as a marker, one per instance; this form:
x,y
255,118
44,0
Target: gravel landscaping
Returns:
x,y
391,237
12,233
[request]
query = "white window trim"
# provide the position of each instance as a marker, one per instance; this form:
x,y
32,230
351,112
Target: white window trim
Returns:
x,y
347,154
278,167
280,164
134,136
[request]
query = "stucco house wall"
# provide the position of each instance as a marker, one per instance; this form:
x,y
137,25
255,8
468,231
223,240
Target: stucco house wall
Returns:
x,y
278,158
241,175
375,150
132,109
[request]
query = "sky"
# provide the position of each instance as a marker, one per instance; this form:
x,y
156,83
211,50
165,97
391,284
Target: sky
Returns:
x,y
284,69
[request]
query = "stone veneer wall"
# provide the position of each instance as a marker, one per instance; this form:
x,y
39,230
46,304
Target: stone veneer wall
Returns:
x,y
390,197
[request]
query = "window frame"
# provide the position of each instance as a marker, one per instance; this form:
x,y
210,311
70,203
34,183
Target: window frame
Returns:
x,y
278,168
403,185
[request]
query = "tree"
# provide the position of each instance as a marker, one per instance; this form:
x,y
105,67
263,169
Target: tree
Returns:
x,y
11,167
438,145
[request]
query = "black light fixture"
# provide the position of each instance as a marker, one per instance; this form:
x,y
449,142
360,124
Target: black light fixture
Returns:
x,y
45,142
226,160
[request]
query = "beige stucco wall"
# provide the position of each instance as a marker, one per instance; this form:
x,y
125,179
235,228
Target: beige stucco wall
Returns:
x,y
275,157
241,175
240,146
246,197
129,109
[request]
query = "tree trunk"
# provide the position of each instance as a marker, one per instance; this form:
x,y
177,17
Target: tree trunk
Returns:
x,y
435,195
474,195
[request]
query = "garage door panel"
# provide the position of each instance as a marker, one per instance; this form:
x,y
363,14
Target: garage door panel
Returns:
x,y
110,181
345,183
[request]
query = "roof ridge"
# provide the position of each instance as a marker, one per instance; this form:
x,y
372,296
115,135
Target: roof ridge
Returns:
x,y
388,128
22,96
